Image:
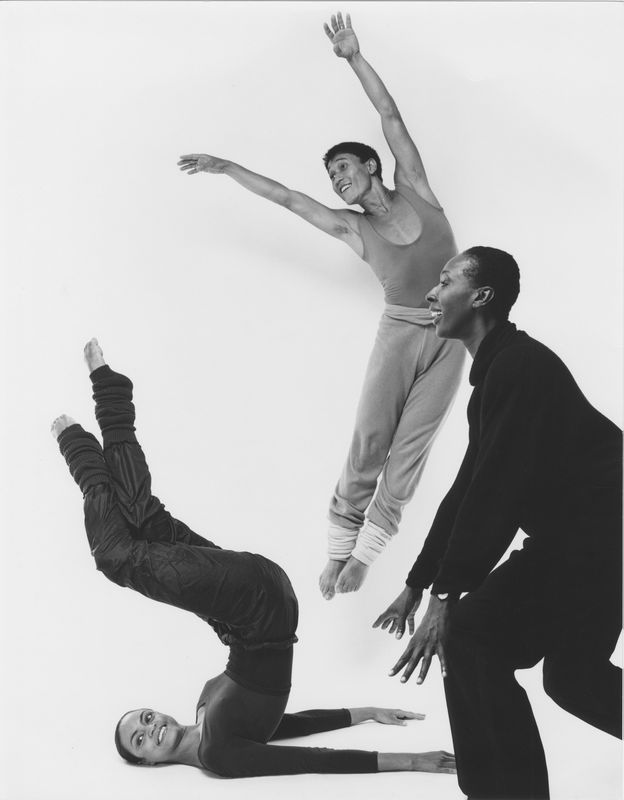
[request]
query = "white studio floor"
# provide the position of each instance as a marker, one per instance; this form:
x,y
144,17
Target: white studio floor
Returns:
x,y
247,333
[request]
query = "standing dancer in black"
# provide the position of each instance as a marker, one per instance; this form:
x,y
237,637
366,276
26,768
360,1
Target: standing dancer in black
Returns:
x,y
246,598
541,458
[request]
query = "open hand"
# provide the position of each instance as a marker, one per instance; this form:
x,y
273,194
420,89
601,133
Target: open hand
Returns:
x,y
200,162
393,716
436,761
342,36
428,641
399,612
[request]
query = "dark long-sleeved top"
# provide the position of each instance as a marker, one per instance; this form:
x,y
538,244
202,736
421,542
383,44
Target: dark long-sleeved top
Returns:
x,y
540,457
239,722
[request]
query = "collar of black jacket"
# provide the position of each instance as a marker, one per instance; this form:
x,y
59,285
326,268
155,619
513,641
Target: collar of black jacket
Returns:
x,y
493,342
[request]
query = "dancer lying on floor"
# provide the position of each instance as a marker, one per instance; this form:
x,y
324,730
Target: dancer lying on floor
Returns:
x,y
246,598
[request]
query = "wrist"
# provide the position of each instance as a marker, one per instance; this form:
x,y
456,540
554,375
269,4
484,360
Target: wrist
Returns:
x,y
445,597
355,58
360,714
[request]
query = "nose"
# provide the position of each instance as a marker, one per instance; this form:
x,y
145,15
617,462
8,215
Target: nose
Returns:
x,y
432,295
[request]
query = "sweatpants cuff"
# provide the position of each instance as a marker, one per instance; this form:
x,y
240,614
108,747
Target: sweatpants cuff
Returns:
x,y
340,542
100,373
370,543
84,457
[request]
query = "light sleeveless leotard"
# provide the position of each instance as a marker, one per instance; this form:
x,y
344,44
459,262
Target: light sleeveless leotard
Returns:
x,y
408,271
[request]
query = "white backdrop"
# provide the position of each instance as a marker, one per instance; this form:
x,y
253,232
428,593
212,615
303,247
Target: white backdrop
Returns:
x,y
246,333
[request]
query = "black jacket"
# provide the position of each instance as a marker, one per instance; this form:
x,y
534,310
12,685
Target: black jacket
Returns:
x,y
539,457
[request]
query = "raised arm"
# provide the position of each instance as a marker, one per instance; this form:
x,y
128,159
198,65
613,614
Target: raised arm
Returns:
x,y
338,223
409,166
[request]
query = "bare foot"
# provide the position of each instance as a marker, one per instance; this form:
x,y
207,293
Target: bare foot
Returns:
x,y
60,423
93,355
352,576
328,577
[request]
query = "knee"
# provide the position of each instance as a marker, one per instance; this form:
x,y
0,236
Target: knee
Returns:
x,y
368,450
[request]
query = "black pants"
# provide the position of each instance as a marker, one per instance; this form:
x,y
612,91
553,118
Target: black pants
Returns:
x,y
565,608
137,543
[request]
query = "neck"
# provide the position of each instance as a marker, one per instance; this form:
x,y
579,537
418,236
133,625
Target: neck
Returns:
x,y
186,752
377,201
480,330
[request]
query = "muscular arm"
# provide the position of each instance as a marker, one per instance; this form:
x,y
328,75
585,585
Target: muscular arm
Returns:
x,y
409,166
338,223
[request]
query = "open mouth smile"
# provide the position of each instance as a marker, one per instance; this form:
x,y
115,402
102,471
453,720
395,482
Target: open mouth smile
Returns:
x,y
161,734
436,314
344,188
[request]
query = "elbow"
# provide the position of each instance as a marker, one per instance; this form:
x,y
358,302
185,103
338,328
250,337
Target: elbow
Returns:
x,y
285,198
389,111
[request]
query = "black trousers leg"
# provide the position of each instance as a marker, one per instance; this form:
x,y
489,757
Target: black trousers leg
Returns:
x,y
578,673
137,544
495,630
115,413
84,457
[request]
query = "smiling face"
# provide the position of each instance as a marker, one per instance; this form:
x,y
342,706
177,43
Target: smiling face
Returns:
x,y
350,178
455,301
150,736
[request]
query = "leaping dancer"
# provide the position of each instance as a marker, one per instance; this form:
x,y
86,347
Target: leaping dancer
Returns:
x,y
412,376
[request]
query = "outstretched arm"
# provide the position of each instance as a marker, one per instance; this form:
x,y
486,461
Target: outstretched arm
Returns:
x,y
409,166
246,759
336,223
304,723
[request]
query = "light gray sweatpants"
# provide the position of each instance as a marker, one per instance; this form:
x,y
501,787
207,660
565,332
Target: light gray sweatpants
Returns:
x,y
410,384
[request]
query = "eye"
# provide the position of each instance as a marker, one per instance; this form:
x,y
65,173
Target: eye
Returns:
x,y
139,740
149,716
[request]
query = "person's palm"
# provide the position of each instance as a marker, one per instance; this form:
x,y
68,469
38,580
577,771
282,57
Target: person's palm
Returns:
x,y
207,163
200,162
345,43
342,37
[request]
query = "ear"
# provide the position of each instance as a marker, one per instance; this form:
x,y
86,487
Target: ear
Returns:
x,y
371,165
483,296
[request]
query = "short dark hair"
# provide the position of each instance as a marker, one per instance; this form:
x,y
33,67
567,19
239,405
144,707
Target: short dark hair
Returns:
x,y
121,748
496,268
362,151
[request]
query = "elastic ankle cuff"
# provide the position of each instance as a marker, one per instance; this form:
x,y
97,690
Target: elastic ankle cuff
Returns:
x,y
100,372
340,542
370,543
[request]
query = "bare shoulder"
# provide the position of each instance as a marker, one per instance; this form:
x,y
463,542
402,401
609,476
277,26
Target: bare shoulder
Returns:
x,y
418,186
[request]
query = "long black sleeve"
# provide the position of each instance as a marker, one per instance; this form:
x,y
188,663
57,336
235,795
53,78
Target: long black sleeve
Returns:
x,y
489,514
246,759
428,562
304,723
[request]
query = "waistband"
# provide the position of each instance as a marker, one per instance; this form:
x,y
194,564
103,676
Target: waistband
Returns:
x,y
417,316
